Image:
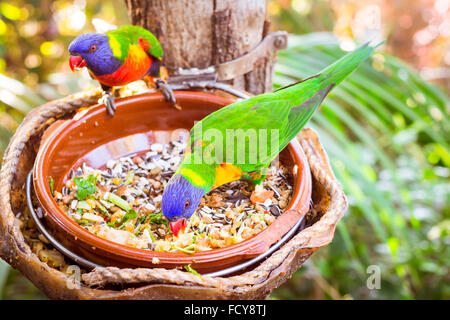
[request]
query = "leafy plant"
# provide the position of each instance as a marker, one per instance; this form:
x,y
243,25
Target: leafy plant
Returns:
x,y
85,187
17,99
386,132
4,271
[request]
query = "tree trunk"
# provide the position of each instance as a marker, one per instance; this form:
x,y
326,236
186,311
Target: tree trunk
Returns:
x,y
203,33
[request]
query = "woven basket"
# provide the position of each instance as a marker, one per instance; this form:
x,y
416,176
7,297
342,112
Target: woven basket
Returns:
x,y
329,205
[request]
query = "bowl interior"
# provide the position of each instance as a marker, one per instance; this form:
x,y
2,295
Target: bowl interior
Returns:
x,y
94,137
145,120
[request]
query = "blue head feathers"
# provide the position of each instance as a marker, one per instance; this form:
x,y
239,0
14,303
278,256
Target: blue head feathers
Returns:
x,y
95,50
180,198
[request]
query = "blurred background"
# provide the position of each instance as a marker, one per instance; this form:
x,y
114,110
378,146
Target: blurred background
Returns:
x,y
386,129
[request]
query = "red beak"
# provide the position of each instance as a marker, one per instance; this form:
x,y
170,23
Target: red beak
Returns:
x,y
177,226
76,62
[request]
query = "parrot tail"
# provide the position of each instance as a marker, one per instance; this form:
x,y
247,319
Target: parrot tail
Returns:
x,y
336,72
339,70
306,96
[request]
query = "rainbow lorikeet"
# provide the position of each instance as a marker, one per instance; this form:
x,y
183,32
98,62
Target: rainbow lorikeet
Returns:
x,y
262,126
119,57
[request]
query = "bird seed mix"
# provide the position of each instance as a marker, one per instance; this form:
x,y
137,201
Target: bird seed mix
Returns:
x,y
122,203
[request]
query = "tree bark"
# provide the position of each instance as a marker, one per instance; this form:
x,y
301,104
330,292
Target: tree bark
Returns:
x,y
202,33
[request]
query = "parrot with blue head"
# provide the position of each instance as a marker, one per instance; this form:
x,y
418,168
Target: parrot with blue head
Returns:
x,y
119,57
285,110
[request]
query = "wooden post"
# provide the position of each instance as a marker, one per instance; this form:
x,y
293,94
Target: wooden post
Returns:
x,y
203,33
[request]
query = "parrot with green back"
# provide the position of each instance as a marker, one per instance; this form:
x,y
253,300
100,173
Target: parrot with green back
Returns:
x,y
278,115
119,57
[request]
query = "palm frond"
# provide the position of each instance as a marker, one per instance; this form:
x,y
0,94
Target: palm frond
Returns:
x,y
380,127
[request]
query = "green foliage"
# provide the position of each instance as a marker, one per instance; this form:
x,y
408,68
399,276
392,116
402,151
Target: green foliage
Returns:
x,y
191,270
131,214
15,286
154,218
17,99
4,271
51,182
386,132
85,187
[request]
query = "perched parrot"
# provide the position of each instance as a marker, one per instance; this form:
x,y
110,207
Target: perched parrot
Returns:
x,y
119,57
280,115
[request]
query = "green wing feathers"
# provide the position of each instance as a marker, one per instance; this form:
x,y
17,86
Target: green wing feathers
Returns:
x,y
287,110
307,95
332,75
121,38
243,125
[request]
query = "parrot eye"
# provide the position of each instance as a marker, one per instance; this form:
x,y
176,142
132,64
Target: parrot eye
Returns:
x,y
187,204
92,48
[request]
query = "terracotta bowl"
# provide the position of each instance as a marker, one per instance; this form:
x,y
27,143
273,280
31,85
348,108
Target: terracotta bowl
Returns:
x,y
94,137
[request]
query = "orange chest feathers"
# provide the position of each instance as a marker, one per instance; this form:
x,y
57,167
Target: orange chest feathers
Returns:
x,y
134,67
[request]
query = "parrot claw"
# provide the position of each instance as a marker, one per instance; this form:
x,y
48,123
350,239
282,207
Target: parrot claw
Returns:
x,y
164,88
108,100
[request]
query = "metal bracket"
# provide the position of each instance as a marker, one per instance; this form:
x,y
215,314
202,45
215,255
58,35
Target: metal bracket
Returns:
x,y
234,68
195,84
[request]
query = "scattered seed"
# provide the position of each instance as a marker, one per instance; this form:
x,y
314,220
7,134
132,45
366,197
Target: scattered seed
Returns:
x,y
230,214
